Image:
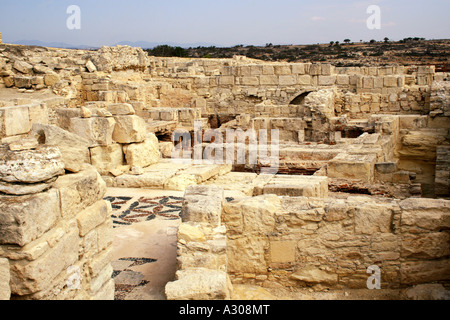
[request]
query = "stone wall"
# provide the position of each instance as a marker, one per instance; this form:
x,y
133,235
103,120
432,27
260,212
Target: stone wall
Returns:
x,y
308,242
330,242
55,228
201,248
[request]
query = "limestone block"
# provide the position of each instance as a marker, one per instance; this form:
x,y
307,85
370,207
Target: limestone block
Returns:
x,y
90,66
428,292
268,70
390,81
296,186
143,154
129,129
352,166
247,254
327,80
37,275
252,215
74,149
226,80
5,290
305,80
38,113
373,218
23,82
166,148
31,166
268,80
98,131
298,68
20,189
282,69
23,67
190,233
180,182
14,121
203,204
40,69
420,145
79,191
93,216
425,214
121,109
199,284
8,81
311,274
433,245
315,69
417,272
63,116
106,292
249,81
106,158
343,79
51,79
287,80
25,218
282,251
367,82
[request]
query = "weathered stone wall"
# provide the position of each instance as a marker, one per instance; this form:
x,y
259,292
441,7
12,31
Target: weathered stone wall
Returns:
x,y
55,228
201,248
331,243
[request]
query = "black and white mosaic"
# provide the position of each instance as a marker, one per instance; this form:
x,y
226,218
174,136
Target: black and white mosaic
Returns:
x,y
127,280
129,210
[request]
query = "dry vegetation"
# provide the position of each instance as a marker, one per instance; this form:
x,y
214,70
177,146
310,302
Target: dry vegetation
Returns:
x,y
409,51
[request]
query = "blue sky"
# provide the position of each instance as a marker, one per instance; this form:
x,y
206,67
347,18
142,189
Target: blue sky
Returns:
x,y
221,22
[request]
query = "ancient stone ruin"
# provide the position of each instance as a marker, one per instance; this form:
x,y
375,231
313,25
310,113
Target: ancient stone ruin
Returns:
x,y
354,174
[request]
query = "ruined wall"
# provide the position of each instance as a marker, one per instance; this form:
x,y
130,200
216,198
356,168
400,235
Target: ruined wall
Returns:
x,y
201,248
55,229
301,241
304,242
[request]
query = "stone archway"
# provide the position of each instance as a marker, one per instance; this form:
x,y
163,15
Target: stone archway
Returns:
x,y
299,98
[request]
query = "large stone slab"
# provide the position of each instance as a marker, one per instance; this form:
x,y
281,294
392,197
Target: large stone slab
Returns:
x,y
93,216
74,148
298,186
154,176
25,218
31,166
34,276
129,129
353,166
107,158
98,131
79,191
14,121
143,154
203,204
199,284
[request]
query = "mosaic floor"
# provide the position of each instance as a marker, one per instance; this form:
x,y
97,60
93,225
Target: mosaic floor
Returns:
x,y
145,228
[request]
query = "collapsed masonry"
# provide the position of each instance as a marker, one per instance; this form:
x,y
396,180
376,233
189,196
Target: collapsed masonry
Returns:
x,y
363,156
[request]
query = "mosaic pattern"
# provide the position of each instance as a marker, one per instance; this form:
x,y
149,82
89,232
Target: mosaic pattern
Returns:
x,y
128,210
127,280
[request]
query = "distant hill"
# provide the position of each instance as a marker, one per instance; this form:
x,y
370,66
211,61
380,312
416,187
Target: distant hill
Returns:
x,y
151,45
52,44
141,44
